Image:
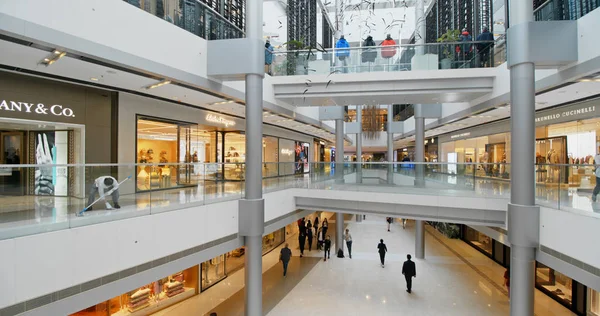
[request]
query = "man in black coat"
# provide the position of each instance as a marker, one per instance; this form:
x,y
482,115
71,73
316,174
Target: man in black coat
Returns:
x,y
284,256
410,271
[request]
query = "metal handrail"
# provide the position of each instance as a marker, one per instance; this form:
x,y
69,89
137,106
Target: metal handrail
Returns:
x,y
542,6
275,162
380,47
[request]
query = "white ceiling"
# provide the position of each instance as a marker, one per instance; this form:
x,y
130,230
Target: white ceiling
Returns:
x,y
27,57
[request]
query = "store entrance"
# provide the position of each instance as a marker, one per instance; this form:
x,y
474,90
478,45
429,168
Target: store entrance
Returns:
x,y
12,150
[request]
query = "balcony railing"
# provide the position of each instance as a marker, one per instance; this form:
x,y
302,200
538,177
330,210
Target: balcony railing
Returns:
x,y
384,58
56,196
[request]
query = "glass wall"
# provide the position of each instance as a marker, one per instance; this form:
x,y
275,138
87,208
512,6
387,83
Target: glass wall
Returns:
x,y
198,17
479,240
593,302
164,145
554,283
287,150
149,298
270,156
218,268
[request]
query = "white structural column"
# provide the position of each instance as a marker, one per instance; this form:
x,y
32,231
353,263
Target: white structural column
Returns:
x,y
359,137
251,208
339,179
390,145
420,131
523,215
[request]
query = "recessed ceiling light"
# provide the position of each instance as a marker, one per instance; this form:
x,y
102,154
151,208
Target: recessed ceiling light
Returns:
x,y
94,79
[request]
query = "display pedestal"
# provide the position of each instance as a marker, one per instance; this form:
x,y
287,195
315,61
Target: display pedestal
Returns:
x,y
156,306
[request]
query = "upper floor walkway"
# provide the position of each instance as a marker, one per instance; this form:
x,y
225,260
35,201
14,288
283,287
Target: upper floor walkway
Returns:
x,y
147,189
198,209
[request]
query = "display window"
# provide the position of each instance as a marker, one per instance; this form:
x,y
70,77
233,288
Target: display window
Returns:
x,y
218,268
149,298
270,156
301,158
555,284
213,271
173,153
287,150
593,301
479,240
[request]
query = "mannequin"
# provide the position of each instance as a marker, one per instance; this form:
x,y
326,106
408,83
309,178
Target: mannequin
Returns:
x,y
484,161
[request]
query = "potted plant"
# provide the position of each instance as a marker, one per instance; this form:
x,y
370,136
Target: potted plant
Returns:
x,y
448,50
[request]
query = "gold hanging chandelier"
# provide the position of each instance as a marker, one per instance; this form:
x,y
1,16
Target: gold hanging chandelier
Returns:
x,y
371,121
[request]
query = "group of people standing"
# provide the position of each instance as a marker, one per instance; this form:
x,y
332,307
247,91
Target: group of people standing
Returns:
x,y
307,231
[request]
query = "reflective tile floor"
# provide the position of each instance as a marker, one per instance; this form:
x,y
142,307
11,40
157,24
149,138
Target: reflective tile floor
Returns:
x,y
454,279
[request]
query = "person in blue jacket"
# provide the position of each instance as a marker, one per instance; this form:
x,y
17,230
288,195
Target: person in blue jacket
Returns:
x,y
268,57
342,52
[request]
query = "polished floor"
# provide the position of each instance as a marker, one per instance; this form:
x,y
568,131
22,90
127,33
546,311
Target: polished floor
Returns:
x,y
454,279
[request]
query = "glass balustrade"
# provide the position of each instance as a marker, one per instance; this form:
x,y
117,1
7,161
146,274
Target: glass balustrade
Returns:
x,y
456,55
42,198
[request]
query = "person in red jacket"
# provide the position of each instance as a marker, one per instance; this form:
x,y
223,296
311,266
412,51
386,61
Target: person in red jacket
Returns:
x,y
388,52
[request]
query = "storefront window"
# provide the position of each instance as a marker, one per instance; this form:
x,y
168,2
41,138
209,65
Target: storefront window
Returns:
x,y
554,283
213,271
301,158
593,302
165,147
270,156
150,298
478,240
287,155
235,156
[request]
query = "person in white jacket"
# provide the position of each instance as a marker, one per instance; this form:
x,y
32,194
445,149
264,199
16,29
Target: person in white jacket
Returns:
x,y
104,185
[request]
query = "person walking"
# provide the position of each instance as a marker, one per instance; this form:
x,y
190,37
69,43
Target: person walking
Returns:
x,y
327,248
284,256
382,249
597,174
343,53
410,271
316,224
309,235
302,241
348,239
320,239
389,220
404,223
326,225
485,48
268,57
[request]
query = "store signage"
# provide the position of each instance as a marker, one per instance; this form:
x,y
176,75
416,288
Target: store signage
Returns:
x,y
286,151
460,135
39,108
219,120
565,113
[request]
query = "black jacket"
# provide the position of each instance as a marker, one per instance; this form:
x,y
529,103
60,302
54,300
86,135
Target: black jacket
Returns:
x,y
327,244
369,54
382,248
409,268
285,254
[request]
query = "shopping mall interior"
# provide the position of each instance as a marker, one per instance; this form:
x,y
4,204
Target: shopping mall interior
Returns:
x,y
167,169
